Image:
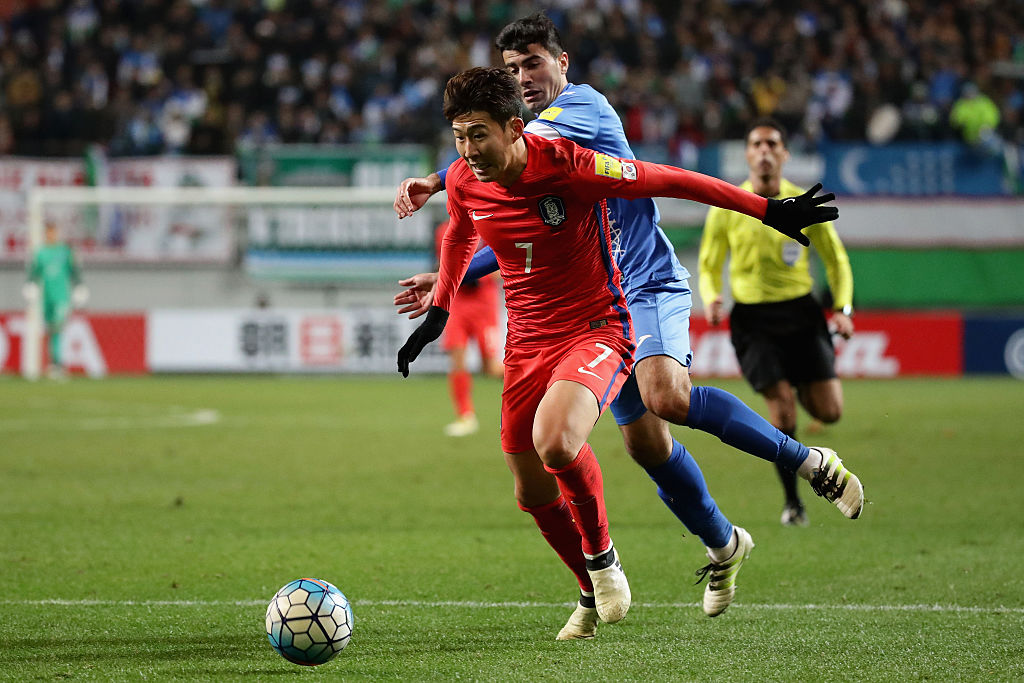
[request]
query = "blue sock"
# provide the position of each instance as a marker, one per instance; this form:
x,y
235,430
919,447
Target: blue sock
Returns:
x,y
681,486
720,413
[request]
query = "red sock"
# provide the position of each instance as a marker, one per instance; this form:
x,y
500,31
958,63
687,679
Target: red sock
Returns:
x,y
581,485
555,523
460,382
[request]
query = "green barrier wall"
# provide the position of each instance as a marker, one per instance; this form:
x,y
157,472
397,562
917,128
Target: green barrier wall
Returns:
x,y
895,278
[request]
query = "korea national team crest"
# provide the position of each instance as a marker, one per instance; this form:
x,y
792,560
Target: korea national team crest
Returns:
x,y
552,210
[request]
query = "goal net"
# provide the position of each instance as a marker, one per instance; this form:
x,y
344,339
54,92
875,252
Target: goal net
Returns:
x,y
183,266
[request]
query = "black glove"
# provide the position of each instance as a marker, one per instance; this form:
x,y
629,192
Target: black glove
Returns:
x,y
429,330
790,216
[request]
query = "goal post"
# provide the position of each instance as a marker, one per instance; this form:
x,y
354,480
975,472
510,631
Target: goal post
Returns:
x,y
318,236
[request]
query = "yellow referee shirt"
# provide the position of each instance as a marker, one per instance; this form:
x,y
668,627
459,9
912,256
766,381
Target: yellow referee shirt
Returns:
x,y
766,266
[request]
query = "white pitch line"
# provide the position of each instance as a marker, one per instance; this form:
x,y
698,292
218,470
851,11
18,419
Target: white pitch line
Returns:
x,y
195,418
469,604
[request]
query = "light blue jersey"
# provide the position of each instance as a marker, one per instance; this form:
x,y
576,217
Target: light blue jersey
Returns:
x,y
642,250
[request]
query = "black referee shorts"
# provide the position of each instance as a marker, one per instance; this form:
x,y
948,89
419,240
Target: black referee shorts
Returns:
x,y
782,340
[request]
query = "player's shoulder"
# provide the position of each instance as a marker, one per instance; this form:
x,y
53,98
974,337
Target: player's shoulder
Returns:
x,y
459,174
576,101
557,152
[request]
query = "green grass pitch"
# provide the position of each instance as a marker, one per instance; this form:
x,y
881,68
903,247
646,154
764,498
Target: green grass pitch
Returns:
x,y
146,522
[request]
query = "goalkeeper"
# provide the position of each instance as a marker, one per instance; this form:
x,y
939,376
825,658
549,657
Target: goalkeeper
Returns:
x,y
54,276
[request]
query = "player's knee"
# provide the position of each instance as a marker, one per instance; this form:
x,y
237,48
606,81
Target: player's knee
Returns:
x,y
669,405
528,497
554,447
649,444
829,413
644,453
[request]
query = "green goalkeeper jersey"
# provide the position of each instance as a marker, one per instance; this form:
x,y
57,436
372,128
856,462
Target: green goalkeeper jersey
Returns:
x,y
54,269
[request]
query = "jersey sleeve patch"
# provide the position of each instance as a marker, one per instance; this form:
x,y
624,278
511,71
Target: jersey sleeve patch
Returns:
x,y
609,167
550,114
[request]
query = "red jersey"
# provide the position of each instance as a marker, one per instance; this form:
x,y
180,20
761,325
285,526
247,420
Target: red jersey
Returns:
x,y
549,232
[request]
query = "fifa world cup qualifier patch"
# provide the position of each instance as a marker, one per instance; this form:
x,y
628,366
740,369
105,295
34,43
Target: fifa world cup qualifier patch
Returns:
x,y
552,210
549,114
609,167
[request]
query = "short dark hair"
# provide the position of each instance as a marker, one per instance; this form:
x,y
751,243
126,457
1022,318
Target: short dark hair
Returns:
x,y
767,122
536,28
488,89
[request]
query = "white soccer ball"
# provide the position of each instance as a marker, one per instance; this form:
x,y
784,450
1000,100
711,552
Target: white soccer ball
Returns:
x,y
309,621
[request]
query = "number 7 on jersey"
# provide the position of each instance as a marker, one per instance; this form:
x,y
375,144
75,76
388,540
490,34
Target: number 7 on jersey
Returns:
x,y
528,246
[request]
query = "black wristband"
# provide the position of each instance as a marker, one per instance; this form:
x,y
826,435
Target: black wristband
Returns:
x,y
436,316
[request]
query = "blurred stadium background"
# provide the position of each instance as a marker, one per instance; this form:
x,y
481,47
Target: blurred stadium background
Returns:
x,y
323,94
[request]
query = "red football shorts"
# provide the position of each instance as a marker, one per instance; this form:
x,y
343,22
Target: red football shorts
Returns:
x,y
460,330
474,317
600,361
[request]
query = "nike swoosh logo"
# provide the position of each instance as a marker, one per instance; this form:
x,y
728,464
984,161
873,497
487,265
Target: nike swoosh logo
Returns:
x,y
587,372
642,339
474,216
787,201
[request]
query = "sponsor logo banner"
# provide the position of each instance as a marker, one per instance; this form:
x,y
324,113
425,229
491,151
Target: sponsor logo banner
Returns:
x,y
366,340
912,169
363,340
994,345
884,345
94,345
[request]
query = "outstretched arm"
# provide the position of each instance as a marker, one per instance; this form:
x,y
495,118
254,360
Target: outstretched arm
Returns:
x,y
634,179
413,193
788,216
419,293
457,249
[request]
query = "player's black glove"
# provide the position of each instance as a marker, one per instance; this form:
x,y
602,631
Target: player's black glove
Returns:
x,y
790,216
429,330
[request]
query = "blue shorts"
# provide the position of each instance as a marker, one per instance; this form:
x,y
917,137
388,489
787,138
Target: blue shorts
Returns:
x,y
661,322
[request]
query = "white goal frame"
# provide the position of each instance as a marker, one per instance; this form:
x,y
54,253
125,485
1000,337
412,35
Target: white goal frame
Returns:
x,y
39,198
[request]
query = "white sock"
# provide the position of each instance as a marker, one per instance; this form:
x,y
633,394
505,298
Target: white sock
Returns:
x,y
812,463
719,555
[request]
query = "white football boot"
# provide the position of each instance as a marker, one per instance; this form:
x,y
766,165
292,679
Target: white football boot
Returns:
x,y
794,515
611,589
583,622
463,426
837,484
721,588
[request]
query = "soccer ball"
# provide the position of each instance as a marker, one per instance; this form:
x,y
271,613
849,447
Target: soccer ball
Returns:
x,y
309,622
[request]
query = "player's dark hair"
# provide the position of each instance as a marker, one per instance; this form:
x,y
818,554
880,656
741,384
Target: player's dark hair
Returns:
x,y
536,28
488,89
767,122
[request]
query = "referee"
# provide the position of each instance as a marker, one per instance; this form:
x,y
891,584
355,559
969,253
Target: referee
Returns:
x,y
778,329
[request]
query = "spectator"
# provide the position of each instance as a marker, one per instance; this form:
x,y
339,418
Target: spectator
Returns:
x,y
975,117
822,67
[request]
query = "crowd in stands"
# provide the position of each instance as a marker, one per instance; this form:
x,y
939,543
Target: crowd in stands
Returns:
x,y
204,76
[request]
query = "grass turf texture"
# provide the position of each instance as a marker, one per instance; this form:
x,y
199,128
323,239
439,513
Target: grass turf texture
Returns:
x,y
141,537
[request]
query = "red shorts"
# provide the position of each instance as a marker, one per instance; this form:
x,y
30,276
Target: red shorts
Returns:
x,y
460,330
600,361
474,316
